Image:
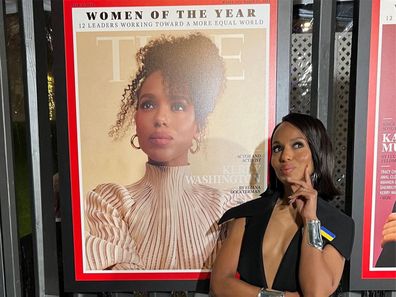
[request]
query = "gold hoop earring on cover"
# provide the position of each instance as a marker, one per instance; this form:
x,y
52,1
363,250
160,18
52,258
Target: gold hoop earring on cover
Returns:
x,y
196,149
132,142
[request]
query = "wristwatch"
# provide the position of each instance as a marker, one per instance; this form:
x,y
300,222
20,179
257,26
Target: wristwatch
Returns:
x,y
270,293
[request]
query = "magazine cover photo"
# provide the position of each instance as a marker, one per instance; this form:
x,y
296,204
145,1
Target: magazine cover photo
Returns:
x,y
169,109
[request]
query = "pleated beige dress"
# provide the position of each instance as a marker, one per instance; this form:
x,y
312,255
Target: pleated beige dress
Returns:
x,y
163,221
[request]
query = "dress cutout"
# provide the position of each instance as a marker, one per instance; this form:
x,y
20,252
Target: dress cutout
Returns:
x,y
281,229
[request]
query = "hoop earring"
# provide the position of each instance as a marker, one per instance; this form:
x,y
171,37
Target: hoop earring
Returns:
x,y
315,178
132,142
196,150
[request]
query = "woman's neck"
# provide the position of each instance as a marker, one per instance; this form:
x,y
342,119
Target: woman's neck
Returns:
x,y
168,164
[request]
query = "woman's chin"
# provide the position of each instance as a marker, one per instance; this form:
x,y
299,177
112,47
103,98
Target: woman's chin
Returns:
x,y
285,178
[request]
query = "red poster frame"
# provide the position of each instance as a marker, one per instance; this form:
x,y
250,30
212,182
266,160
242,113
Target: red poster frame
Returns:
x,y
76,278
367,272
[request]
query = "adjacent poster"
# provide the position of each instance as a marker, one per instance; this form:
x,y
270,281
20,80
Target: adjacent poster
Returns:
x,y
379,238
169,108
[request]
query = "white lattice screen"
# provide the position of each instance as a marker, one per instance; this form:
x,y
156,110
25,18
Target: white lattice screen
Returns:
x,y
300,97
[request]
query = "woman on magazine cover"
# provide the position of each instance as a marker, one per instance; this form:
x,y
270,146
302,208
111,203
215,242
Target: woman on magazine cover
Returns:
x,y
162,221
289,242
387,258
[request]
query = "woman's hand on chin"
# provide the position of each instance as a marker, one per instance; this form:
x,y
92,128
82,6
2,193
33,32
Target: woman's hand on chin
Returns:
x,y
304,196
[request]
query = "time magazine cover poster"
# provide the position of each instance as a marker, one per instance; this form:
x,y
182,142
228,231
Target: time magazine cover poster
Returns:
x,y
379,239
169,106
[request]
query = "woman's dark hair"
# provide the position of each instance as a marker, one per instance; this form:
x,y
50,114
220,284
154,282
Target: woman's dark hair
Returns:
x,y
322,154
189,62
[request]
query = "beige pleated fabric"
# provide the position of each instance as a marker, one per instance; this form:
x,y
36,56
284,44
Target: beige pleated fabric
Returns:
x,y
161,222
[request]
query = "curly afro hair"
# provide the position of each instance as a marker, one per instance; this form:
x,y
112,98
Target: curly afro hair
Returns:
x,y
191,62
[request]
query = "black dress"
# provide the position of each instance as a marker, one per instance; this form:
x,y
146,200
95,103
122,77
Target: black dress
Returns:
x,y
257,213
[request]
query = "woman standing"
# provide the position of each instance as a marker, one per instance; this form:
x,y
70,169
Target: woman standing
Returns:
x,y
289,242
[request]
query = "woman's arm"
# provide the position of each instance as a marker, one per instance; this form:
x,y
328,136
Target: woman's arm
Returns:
x,y
223,282
320,270
108,243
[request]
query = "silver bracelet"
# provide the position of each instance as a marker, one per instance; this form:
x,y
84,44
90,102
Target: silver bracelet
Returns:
x,y
314,236
270,293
